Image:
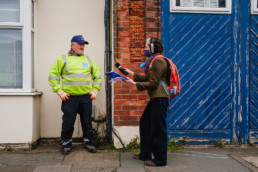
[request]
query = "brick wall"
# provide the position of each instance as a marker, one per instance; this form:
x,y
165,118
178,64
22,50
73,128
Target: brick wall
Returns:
x,y
134,21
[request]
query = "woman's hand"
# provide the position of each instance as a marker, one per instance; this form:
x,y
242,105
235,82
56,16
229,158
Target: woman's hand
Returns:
x,y
129,81
129,71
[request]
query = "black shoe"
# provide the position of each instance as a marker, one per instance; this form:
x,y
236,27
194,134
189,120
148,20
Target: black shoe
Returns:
x,y
137,156
66,151
90,148
150,163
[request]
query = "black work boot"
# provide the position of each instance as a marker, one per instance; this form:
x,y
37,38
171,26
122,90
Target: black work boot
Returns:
x,y
66,151
90,148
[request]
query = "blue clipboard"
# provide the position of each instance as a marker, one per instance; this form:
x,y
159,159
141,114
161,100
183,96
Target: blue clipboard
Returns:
x,y
114,75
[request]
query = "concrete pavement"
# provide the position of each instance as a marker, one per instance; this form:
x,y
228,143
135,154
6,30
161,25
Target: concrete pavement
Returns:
x,y
48,158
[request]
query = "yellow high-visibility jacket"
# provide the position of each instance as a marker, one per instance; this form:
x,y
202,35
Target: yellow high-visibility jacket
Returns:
x,y
75,75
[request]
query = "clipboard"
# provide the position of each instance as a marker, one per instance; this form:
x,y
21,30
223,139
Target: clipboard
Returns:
x,y
115,75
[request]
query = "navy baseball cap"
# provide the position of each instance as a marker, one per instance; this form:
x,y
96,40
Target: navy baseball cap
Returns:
x,y
79,39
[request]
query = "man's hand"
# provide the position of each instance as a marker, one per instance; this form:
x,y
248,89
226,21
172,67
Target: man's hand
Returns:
x,y
63,95
93,94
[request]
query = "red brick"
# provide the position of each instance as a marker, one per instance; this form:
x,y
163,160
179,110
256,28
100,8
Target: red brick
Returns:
x,y
143,97
117,118
137,102
121,102
150,24
117,85
129,107
124,39
125,24
129,97
123,13
127,44
122,8
125,2
116,96
142,107
134,122
149,4
122,55
121,91
149,14
117,108
121,113
136,113
124,50
128,117
136,92
126,34
125,86
126,55
123,29
122,123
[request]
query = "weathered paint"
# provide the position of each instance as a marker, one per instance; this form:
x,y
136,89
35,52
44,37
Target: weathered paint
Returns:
x,y
212,53
235,71
244,71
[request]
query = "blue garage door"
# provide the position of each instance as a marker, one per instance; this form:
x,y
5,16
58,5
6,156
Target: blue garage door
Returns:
x,y
209,41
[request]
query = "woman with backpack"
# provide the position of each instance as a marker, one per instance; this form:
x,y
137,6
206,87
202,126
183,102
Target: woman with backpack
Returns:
x,y
153,128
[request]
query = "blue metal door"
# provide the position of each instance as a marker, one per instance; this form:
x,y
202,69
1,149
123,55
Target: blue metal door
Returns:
x,y
254,80
211,52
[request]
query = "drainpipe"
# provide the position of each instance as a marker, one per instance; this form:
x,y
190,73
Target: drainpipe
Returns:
x,y
108,69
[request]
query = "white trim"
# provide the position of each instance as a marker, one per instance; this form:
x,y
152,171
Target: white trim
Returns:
x,y
24,24
254,9
10,25
21,94
176,9
26,44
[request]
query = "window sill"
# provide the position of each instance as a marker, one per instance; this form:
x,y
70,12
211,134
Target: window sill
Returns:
x,y
22,94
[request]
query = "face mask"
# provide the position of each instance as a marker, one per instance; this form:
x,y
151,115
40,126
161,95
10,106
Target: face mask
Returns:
x,y
147,53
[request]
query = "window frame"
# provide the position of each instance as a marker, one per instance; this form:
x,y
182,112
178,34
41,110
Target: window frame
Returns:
x,y
175,9
254,9
25,25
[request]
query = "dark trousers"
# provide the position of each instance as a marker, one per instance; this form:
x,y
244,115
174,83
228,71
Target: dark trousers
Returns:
x,y
76,105
153,131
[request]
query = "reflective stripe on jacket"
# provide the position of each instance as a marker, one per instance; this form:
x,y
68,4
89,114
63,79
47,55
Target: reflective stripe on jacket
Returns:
x,y
75,75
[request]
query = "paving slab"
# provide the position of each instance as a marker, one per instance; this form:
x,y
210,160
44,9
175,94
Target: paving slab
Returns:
x,y
129,164
100,160
95,170
253,160
15,159
250,161
186,161
199,160
25,168
54,168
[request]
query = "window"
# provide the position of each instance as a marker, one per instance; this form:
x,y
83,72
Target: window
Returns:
x,y
254,6
16,49
200,6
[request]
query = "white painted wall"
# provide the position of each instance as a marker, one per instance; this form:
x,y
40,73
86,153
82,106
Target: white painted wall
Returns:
x,y
56,21
19,119
126,134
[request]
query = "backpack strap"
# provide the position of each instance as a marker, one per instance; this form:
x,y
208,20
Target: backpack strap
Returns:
x,y
165,88
153,61
161,82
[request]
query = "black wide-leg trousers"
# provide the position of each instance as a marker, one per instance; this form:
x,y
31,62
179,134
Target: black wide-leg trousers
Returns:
x,y
153,131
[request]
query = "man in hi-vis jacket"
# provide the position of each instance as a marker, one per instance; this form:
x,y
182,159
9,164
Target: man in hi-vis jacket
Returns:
x,y
75,77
